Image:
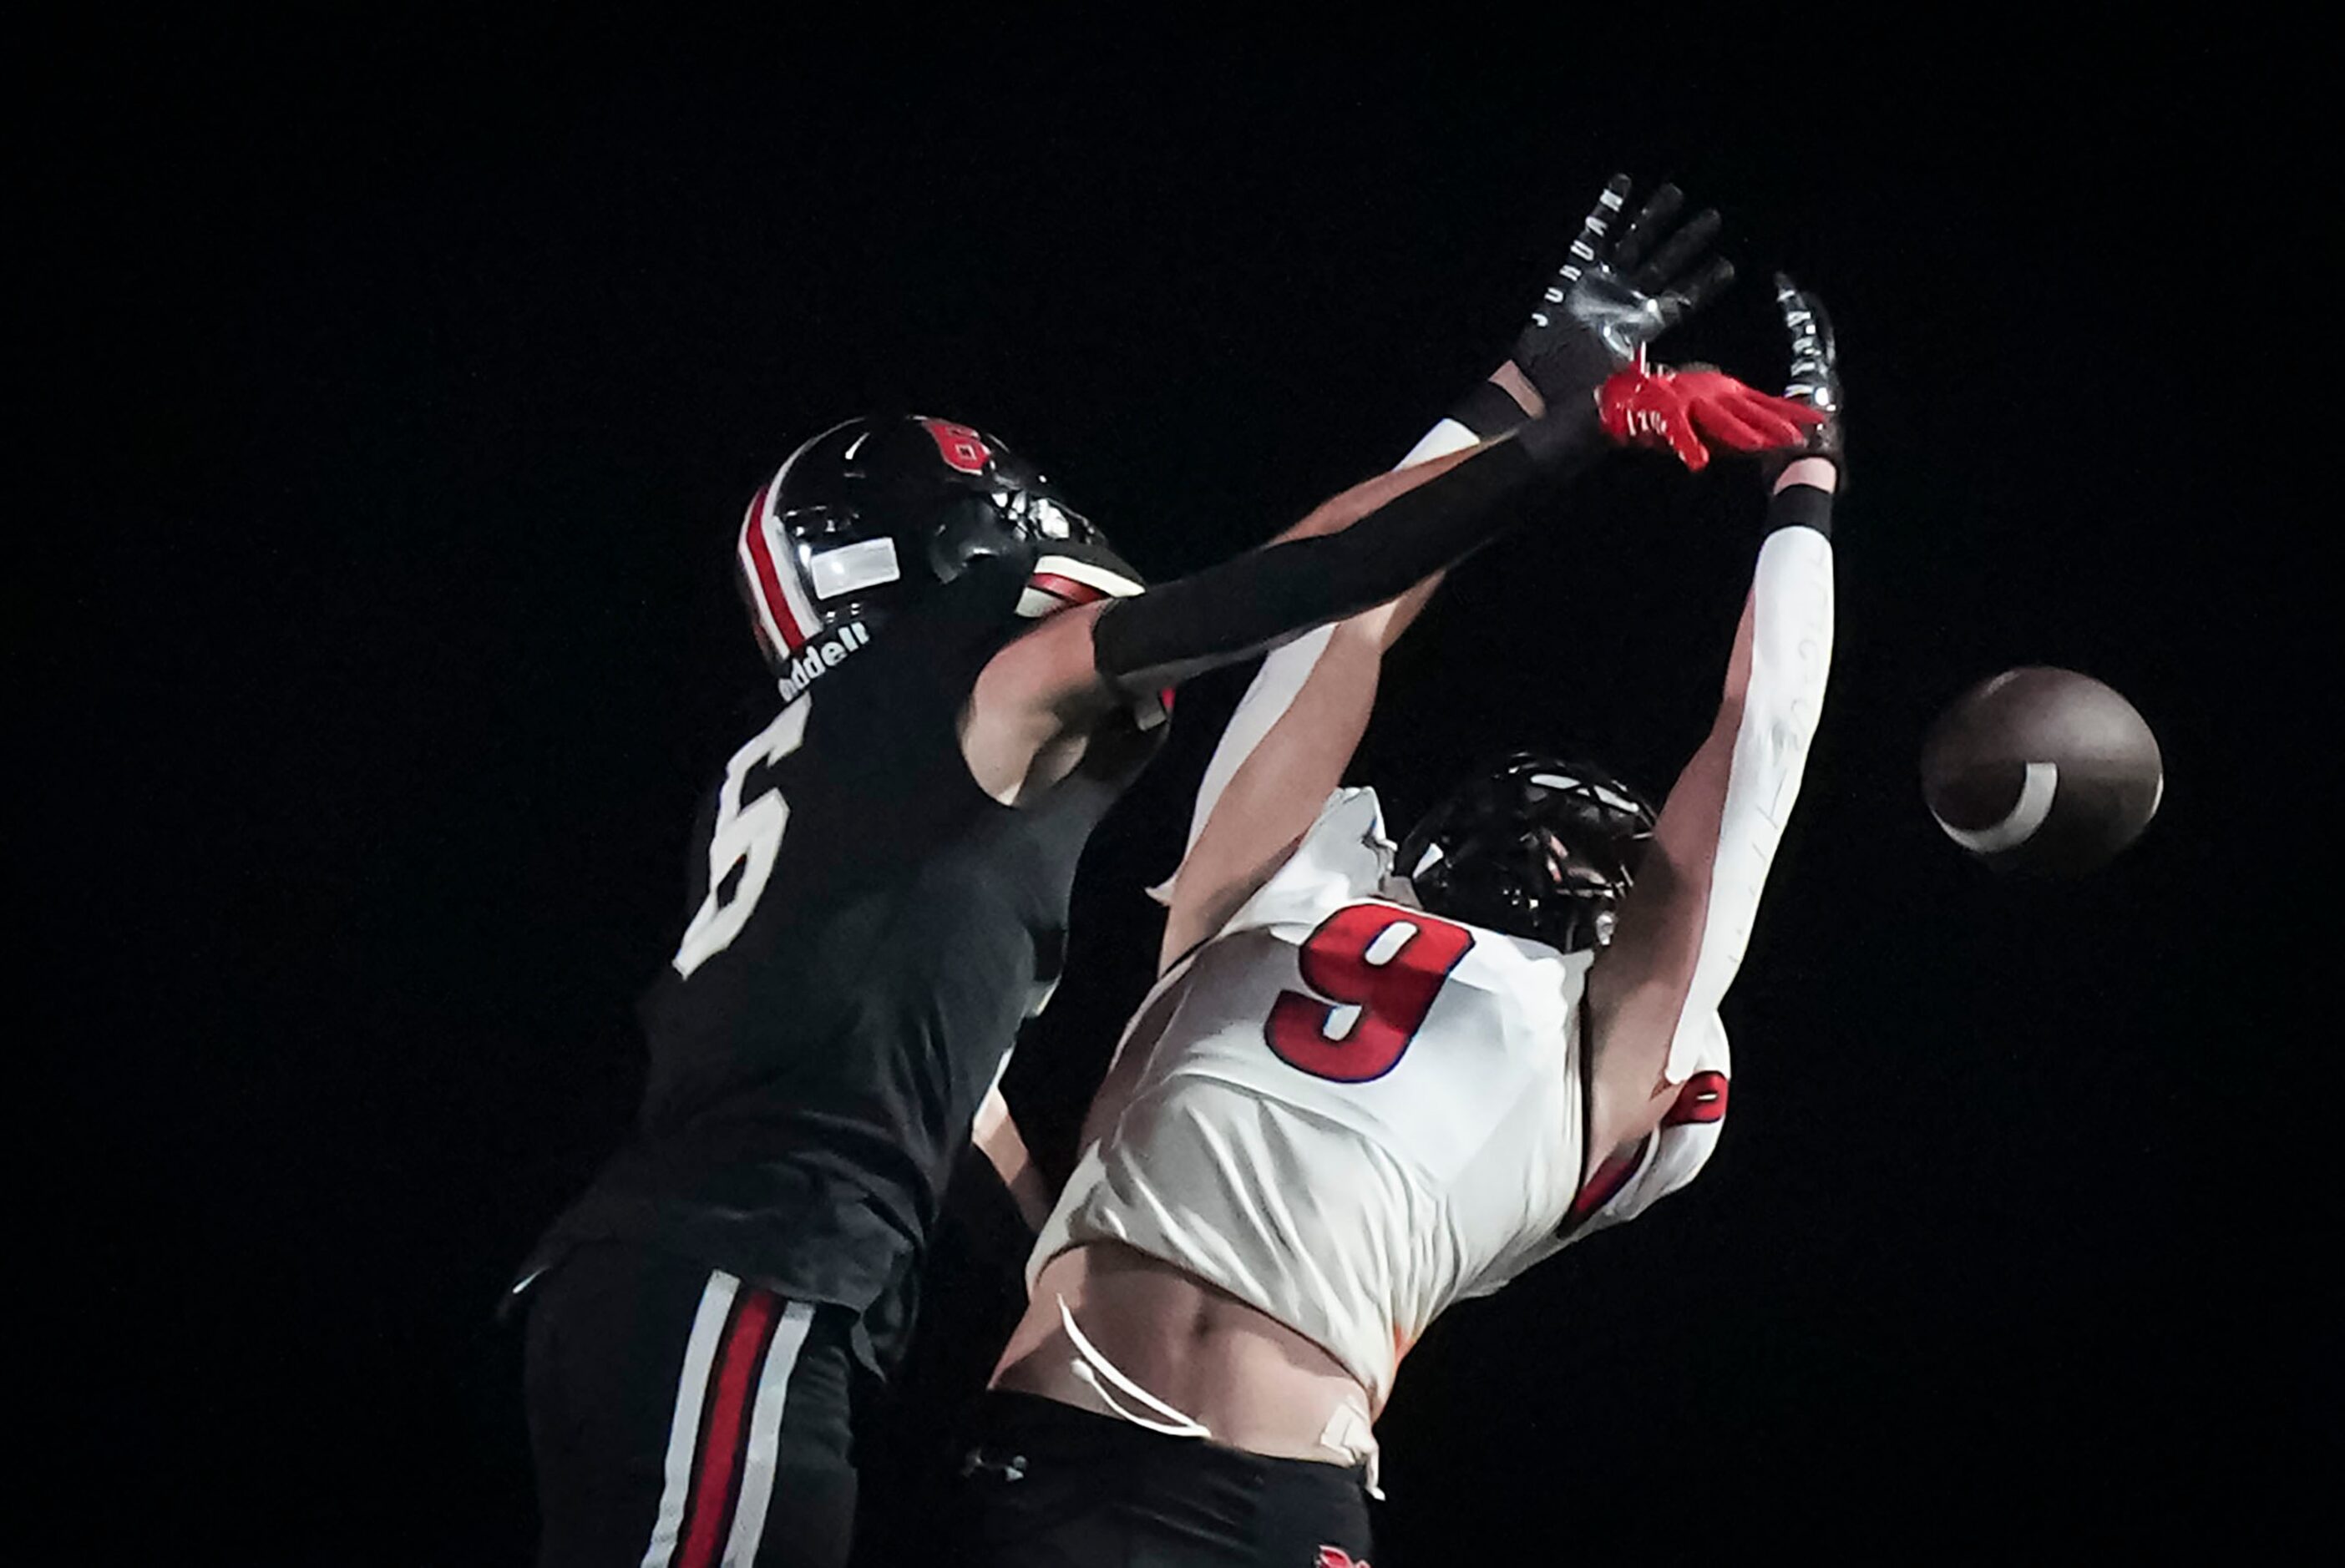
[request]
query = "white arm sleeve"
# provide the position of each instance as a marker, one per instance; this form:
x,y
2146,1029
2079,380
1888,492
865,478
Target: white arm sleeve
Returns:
x,y
1791,651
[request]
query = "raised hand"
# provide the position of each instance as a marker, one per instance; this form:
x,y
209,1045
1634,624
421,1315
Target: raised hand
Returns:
x,y
1647,406
1814,381
1612,297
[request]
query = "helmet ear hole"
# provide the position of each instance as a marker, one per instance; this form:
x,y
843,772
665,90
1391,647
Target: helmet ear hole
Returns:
x,y
970,530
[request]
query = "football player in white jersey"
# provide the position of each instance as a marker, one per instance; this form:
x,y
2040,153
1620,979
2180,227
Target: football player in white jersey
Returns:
x,y
1372,1082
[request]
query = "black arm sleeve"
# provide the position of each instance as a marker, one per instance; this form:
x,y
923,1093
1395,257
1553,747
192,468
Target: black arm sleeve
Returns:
x,y
1237,609
1489,409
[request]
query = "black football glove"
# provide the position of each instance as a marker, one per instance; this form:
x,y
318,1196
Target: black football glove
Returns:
x,y
1815,380
1612,297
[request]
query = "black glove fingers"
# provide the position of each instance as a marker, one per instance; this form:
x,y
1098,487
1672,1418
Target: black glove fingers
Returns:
x,y
1602,224
1597,232
1827,347
1679,253
1816,362
1707,285
1811,368
1660,209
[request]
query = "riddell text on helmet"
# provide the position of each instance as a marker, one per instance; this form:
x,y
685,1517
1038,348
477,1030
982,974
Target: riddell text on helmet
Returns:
x,y
821,656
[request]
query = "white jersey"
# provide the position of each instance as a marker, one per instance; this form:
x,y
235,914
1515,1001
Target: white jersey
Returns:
x,y
1354,1113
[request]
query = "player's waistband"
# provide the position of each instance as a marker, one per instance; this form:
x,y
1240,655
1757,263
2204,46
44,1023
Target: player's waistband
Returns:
x,y
810,1240
1034,1427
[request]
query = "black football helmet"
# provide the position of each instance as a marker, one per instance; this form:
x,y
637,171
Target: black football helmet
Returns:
x,y
869,515
1537,846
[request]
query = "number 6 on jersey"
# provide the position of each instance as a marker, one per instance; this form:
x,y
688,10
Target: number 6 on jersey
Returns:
x,y
746,834
1381,963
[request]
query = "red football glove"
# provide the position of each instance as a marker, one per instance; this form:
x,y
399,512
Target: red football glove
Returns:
x,y
1647,407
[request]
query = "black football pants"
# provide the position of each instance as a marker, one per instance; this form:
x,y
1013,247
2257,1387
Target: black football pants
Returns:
x,y
1047,1485
682,1418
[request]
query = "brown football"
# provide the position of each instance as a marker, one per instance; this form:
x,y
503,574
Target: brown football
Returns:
x,y
2041,771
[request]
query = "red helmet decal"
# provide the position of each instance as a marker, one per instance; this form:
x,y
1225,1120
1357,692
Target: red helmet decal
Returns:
x,y
962,448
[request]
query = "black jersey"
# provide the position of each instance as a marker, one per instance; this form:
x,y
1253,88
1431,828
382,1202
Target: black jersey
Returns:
x,y
869,928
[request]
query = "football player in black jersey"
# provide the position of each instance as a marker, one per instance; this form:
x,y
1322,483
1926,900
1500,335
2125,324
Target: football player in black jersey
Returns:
x,y
968,677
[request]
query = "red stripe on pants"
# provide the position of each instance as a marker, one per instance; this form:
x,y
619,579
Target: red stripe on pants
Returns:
x,y
710,1511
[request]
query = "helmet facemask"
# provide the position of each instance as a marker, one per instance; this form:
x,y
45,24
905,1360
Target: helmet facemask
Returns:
x,y
1539,847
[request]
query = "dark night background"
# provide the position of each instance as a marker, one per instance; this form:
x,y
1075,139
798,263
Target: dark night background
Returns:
x,y
399,388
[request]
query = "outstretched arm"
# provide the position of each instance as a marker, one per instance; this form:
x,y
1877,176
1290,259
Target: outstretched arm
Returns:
x,y
1287,746
1293,734
1582,357
1079,667
1285,751
1684,925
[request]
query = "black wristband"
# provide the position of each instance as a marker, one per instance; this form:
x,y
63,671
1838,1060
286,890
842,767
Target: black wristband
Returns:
x,y
1800,506
1489,409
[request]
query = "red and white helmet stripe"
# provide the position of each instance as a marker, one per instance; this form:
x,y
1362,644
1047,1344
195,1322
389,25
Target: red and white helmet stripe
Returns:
x,y
769,564
1062,582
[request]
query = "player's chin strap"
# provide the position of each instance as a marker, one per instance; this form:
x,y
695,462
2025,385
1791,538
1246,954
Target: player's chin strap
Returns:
x,y
1347,1432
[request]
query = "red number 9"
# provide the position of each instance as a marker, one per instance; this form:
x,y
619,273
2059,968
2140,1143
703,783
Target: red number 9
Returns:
x,y
1393,990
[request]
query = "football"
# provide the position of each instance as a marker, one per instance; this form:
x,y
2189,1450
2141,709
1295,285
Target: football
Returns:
x,y
2042,772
